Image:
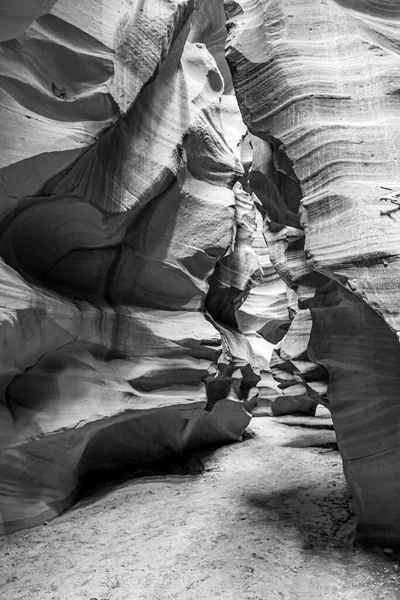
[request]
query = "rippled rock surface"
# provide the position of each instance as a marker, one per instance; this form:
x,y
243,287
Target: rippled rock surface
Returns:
x,y
150,192
122,239
318,85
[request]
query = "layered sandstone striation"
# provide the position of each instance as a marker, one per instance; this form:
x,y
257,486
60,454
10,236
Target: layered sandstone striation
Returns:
x,y
123,237
317,83
179,236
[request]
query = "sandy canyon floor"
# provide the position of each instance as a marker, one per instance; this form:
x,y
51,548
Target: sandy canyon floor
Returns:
x,y
266,519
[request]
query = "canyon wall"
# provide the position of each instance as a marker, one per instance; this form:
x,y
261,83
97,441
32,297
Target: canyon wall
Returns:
x,y
318,85
192,226
125,244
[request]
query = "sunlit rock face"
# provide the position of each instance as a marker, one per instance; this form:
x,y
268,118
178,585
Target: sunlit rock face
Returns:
x,y
124,236
317,83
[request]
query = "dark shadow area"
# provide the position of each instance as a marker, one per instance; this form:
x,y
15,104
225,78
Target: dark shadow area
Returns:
x,y
323,521
319,426
319,516
97,484
320,443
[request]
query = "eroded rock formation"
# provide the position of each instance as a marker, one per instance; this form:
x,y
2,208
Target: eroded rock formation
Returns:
x,y
317,83
122,239
143,226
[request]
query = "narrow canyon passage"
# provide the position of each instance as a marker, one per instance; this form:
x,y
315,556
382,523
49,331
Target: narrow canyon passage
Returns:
x,y
199,264
269,518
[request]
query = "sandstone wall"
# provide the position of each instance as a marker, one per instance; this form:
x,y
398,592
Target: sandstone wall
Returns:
x,y
318,84
120,150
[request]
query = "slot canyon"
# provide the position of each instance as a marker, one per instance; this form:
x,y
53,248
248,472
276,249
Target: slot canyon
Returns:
x,y
199,299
